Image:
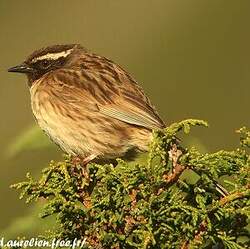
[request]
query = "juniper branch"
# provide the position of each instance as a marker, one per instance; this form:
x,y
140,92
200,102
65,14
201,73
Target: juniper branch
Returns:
x,y
151,204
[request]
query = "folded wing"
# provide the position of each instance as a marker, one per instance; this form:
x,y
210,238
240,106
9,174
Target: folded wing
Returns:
x,y
125,101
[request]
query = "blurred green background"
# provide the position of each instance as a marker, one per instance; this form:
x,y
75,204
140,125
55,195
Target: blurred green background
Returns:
x,y
191,57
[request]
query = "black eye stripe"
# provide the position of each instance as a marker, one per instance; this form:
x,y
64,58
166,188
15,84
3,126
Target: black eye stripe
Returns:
x,y
42,64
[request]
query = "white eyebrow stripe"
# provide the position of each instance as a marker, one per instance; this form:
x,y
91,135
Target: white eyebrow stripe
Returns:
x,y
53,56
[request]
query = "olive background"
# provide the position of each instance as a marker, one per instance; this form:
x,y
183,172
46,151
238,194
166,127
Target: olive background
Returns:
x,y
191,57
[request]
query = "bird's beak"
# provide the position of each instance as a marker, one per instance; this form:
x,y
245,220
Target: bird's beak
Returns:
x,y
22,68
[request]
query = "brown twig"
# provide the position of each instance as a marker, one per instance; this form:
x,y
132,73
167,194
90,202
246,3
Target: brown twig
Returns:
x,y
185,245
83,191
170,178
174,155
198,236
175,174
235,196
133,195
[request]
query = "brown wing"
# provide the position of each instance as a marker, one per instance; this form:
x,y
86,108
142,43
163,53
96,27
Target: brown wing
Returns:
x,y
117,97
133,107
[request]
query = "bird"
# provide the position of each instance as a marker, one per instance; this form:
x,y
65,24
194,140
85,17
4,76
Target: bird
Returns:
x,y
88,105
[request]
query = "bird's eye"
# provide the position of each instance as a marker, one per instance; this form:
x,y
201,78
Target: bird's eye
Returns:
x,y
44,64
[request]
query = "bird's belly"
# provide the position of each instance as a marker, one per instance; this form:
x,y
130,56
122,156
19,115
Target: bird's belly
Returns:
x,y
65,134
84,138
86,133
61,129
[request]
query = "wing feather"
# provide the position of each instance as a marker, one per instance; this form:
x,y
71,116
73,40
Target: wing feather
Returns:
x,y
126,102
130,117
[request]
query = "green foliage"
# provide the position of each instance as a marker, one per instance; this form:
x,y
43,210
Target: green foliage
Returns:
x,y
151,204
244,137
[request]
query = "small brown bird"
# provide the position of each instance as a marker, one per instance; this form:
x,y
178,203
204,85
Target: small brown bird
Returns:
x,y
87,104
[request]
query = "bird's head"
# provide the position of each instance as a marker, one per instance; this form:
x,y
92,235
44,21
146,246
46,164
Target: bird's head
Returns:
x,y
47,59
